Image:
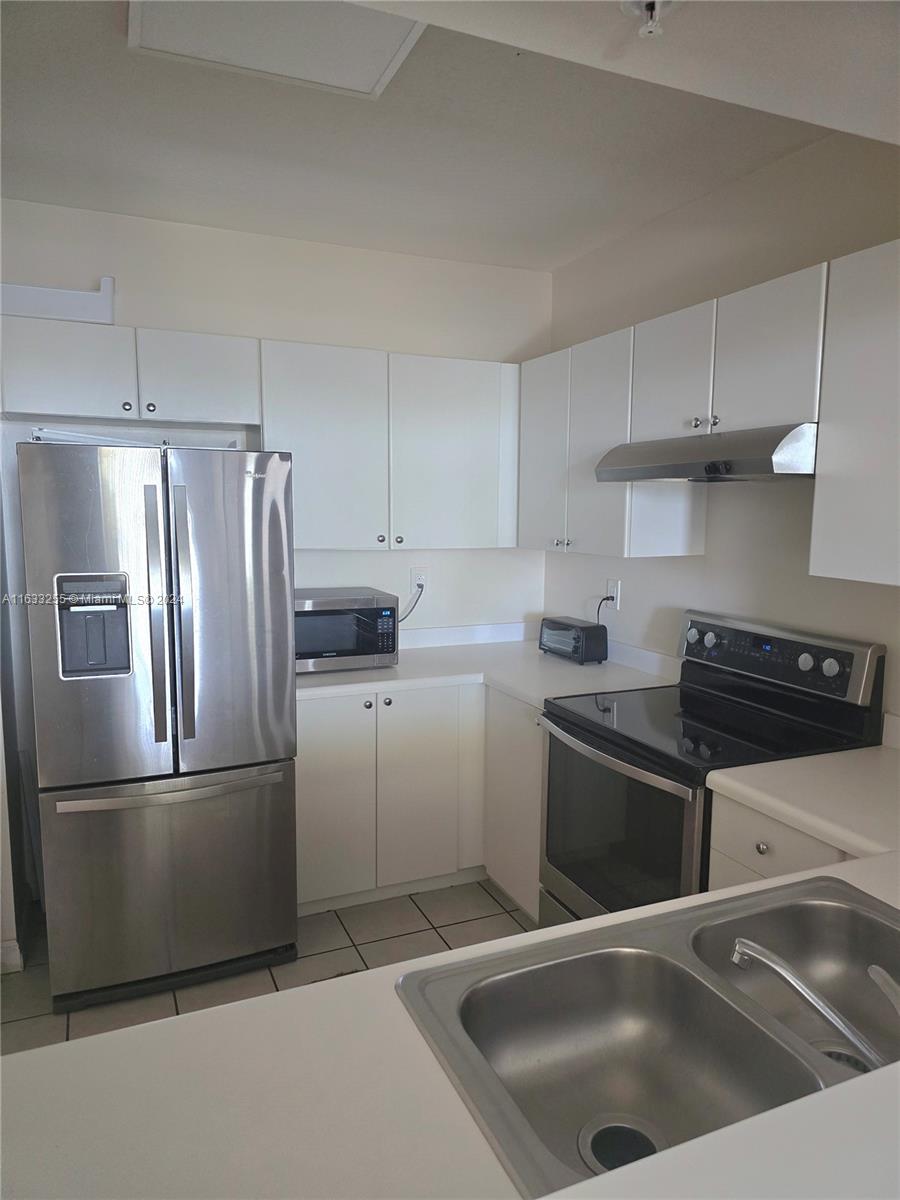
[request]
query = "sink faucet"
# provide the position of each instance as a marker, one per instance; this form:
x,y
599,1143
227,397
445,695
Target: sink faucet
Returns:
x,y
744,954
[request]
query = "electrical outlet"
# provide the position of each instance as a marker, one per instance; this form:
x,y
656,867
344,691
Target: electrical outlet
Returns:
x,y
418,577
614,588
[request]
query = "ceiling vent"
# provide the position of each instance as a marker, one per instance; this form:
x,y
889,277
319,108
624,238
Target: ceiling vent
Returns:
x,y
329,44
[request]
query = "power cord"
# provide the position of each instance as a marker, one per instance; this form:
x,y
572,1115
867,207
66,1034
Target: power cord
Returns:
x,y
414,600
600,605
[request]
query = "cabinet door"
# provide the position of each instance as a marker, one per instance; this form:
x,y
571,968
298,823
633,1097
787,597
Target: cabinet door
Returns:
x,y
328,405
598,420
673,360
201,378
762,844
68,368
418,783
335,796
769,351
445,453
724,872
543,451
513,787
857,487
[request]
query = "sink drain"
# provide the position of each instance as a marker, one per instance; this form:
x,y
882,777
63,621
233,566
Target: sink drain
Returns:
x,y
848,1060
616,1141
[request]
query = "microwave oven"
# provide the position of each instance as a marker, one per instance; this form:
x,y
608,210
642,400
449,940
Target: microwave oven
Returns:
x,y
344,629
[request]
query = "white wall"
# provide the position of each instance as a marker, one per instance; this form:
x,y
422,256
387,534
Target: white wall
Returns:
x,y
173,276
756,565
832,198
212,280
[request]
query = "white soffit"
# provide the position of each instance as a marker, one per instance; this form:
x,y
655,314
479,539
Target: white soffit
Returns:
x,y
325,44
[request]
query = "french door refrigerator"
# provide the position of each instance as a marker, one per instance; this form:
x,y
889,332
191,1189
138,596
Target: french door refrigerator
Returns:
x,y
160,621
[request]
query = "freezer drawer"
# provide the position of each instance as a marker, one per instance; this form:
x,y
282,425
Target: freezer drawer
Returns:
x,y
145,879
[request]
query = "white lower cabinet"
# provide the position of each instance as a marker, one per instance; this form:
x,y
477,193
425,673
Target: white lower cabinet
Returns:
x,y
746,845
513,786
389,788
336,740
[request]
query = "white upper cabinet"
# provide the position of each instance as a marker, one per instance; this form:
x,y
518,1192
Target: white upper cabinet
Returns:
x,y
328,406
857,489
198,378
769,351
543,451
598,421
673,363
453,433
68,368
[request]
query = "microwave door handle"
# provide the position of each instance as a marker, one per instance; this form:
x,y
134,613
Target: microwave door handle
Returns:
x,y
185,611
615,764
156,588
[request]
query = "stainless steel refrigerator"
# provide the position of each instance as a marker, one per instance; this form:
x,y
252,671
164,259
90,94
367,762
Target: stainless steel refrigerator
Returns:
x,y
161,636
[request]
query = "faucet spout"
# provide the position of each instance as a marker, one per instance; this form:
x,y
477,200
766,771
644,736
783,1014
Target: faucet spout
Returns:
x,y
745,953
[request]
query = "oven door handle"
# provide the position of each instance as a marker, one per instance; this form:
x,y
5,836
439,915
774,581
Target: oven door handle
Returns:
x,y
615,764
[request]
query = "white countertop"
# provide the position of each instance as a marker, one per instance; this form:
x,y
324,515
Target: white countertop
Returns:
x,y
850,800
517,668
330,1091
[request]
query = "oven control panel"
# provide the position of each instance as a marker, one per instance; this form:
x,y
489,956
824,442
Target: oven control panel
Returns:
x,y
827,667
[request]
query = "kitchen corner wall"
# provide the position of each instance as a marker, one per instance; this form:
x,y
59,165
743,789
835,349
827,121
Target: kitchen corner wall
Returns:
x,y
190,277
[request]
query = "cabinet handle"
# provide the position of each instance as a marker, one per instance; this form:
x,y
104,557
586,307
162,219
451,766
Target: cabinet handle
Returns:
x,y
762,847
388,702
398,540
381,538
714,420
150,407
127,406
696,422
367,704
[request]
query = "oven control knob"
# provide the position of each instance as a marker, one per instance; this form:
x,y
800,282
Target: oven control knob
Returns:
x,y
831,667
707,752
689,745
710,639
806,662
693,634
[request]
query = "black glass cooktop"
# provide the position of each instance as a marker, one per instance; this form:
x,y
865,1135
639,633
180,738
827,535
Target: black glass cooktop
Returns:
x,y
689,731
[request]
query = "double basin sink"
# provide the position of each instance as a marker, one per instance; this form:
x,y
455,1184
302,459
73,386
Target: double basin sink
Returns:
x,y
580,1054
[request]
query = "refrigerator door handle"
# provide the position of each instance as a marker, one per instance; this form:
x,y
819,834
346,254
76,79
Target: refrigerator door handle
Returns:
x,y
156,589
185,610
156,799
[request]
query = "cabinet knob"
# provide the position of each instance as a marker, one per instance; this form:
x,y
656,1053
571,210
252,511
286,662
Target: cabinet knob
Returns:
x,y
367,704
567,542
557,541
150,407
762,847
381,538
399,540
714,420
696,422
127,406
388,702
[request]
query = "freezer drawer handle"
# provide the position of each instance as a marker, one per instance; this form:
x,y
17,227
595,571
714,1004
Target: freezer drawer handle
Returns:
x,y
185,611
156,799
156,588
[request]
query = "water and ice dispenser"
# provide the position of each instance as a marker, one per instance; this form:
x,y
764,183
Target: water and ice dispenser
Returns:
x,y
93,625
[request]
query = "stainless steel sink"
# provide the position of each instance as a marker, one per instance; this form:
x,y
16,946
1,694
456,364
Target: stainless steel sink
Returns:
x,y
579,1054
831,945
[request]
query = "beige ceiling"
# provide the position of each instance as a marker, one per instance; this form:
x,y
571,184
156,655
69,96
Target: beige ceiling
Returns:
x,y
835,62
475,152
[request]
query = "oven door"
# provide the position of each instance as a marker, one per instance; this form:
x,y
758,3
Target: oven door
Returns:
x,y
343,637
615,836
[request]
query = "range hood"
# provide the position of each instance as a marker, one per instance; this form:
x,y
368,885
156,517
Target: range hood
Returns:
x,y
778,452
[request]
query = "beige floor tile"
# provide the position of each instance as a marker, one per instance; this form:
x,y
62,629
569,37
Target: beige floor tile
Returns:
x,y
498,893
469,933
121,1014
320,932
25,993
382,919
465,902
397,949
318,967
32,1032
224,991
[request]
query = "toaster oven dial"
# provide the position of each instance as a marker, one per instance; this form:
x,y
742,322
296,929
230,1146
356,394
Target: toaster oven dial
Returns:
x,y
710,639
693,634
